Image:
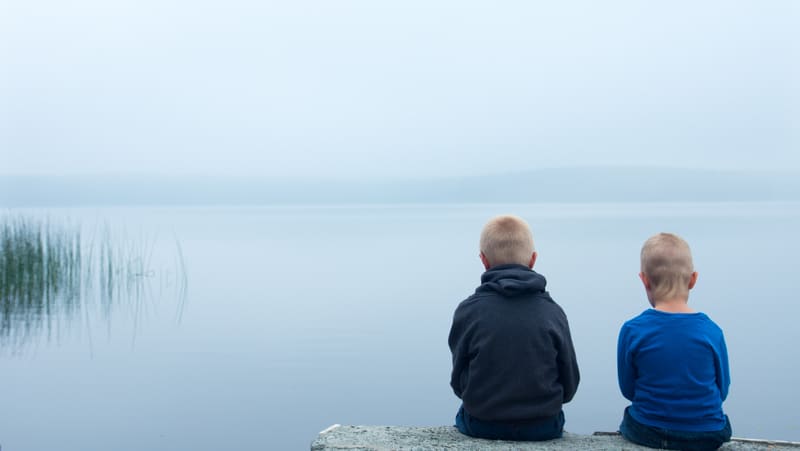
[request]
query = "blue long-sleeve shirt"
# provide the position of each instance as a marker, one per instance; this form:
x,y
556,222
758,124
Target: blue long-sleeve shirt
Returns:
x,y
673,367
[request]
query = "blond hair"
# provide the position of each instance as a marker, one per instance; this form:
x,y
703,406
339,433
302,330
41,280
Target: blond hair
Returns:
x,y
507,239
667,264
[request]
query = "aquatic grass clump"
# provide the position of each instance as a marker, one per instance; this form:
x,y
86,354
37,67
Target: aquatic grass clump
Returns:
x,y
39,274
49,274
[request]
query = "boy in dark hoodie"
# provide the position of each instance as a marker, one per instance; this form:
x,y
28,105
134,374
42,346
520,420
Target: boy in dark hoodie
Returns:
x,y
514,363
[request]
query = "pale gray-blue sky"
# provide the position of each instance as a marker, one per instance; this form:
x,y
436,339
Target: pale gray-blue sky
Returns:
x,y
354,88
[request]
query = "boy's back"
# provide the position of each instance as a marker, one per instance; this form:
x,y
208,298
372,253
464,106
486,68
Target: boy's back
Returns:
x,y
512,353
674,369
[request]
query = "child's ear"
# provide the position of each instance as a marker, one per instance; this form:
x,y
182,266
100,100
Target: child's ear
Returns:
x,y
533,260
645,281
693,280
485,261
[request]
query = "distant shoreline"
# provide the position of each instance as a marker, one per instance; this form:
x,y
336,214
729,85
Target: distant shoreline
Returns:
x,y
575,185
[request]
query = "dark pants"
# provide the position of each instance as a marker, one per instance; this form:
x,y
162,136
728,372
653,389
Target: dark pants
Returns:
x,y
534,430
654,437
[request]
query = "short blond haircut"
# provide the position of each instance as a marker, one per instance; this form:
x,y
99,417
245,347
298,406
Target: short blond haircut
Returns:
x,y
507,239
667,263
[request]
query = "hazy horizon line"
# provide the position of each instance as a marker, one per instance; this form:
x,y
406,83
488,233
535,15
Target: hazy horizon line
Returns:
x,y
401,177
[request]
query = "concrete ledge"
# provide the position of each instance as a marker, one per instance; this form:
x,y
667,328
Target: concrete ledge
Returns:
x,y
384,438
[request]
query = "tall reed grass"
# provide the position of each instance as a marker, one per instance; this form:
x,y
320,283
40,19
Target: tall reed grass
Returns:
x,y
49,275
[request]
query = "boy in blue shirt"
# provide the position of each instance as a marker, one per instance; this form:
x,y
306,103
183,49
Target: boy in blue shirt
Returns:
x,y
672,362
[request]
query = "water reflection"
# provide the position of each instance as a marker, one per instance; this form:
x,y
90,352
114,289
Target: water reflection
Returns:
x,y
51,277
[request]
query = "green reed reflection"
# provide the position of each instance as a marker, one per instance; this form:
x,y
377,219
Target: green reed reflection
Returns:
x,y
49,275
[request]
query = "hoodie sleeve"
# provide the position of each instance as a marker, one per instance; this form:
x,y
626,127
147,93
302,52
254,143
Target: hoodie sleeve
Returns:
x,y
459,349
568,373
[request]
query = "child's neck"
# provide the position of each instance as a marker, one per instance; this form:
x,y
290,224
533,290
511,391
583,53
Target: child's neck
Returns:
x,y
673,306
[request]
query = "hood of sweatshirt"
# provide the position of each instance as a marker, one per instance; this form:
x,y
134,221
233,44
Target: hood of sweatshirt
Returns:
x,y
511,280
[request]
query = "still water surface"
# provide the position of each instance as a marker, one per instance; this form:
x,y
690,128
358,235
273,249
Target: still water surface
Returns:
x,y
295,318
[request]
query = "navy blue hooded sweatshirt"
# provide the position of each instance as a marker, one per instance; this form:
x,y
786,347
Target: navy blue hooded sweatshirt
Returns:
x,y
513,358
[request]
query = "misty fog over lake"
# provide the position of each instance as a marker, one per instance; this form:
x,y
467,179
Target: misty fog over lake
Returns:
x,y
229,225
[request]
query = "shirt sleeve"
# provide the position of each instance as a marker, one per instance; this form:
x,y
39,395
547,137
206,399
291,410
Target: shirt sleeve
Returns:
x,y
723,372
626,371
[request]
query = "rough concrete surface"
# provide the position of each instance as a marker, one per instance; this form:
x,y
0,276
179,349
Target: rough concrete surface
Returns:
x,y
384,438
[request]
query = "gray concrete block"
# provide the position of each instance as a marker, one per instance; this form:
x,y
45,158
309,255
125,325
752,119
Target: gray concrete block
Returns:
x,y
402,438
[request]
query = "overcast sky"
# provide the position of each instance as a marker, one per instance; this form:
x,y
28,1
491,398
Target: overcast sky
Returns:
x,y
346,89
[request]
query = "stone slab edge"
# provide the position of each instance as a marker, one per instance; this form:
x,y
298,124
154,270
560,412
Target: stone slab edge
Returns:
x,y
405,438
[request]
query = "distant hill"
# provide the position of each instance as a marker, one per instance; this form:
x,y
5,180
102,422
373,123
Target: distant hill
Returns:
x,y
546,185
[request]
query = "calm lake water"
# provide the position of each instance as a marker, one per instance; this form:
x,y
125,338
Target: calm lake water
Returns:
x,y
295,318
